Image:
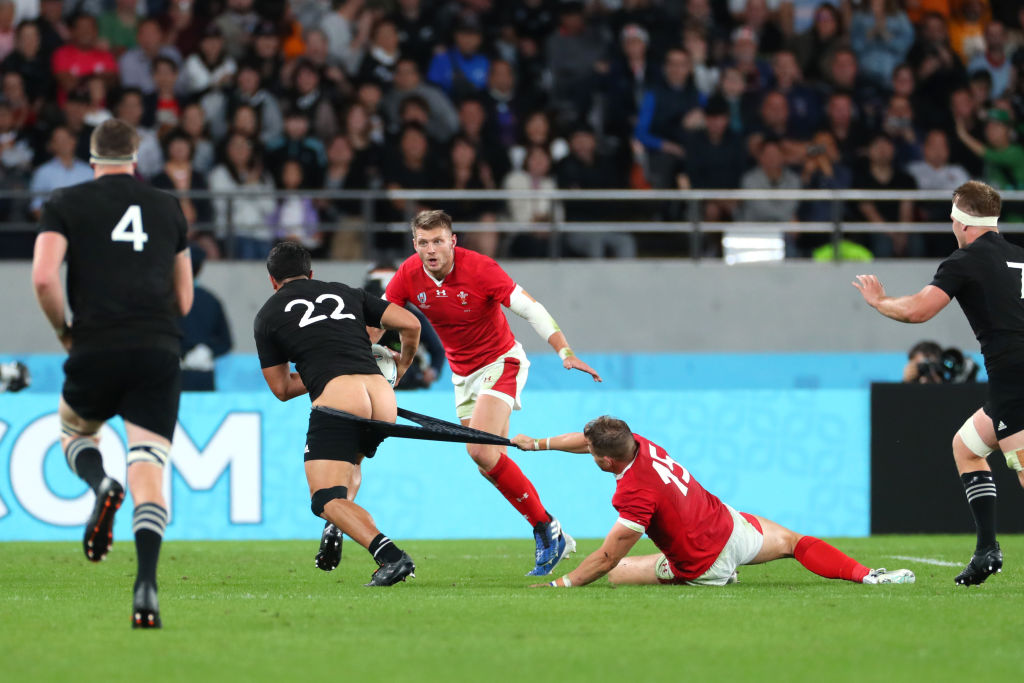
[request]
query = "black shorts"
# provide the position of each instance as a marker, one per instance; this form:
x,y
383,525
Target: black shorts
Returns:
x,y
1005,404
334,437
143,386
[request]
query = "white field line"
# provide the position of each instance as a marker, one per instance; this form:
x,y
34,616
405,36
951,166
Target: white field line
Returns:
x,y
925,560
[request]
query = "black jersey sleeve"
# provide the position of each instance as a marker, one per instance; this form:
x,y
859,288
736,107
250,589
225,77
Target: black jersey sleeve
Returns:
x,y
953,273
268,350
182,226
52,219
373,308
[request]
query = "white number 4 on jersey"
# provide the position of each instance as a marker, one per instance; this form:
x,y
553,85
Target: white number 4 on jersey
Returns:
x,y
129,228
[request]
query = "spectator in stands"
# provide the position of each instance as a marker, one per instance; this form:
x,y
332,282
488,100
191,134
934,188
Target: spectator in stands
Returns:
x,y
980,85
965,114
245,231
129,108
411,168
845,76
237,24
81,58
475,127
162,108
823,169
53,30
754,15
246,121
309,98
538,131
15,149
630,74
249,91
296,143
585,169
443,121
417,33
769,174
937,67
665,114
816,46
505,104
742,105
205,332
572,52
898,124
295,218
343,174
370,95
348,32
193,123
535,175
179,175
28,60
466,170
1004,159
76,108
97,112
181,27
369,154
12,87
706,75
878,172
208,73
62,170
849,134
934,172
774,122
715,159
881,35
136,65
382,55
7,28
994,59
650,16
332,71
461,70
117,26
967,22
265,54
804,102
757,74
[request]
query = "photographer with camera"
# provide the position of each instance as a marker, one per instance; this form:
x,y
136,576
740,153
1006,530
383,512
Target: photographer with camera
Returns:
x,y
928,363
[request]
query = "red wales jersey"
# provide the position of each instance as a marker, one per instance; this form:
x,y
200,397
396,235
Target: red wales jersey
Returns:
x,y
656,495
464,307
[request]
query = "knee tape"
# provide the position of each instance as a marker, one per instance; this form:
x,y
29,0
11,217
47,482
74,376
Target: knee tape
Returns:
x,y
973,440
67,429
322,497
1015,460
148,451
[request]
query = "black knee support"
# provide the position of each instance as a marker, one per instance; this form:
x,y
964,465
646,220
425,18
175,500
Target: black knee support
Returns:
x,y
322,497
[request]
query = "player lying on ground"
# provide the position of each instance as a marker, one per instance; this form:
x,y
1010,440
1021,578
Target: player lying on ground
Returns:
x,y
986,275
461,292
702,540
321,327
129,279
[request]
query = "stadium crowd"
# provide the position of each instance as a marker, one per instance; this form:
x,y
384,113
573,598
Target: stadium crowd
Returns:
x,y
247,96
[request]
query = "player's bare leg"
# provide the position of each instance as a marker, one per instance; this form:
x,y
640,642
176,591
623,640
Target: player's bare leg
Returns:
x,y
491,414
147,456
328,557
635,570
349,517
971,446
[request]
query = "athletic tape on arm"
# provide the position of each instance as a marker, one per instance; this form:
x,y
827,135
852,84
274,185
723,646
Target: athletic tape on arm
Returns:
x,y
533,312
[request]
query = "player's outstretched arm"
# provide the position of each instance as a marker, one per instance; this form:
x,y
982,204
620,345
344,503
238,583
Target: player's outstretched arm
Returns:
x,y
50,249
915,308
533,311
616,545
285,384
571,442
408,328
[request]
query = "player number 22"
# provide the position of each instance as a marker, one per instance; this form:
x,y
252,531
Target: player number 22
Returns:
x,y
308,318
129,229
665,467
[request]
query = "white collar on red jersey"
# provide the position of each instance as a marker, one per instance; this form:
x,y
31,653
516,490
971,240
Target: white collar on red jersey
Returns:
x,y
621,474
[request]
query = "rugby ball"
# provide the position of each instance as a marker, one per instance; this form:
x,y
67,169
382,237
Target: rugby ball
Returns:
x,y
386,363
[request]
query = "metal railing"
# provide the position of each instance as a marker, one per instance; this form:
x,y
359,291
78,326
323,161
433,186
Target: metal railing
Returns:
x,y
687,204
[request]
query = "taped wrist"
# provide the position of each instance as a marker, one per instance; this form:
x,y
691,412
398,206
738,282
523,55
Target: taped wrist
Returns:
x,y
321,498
533,312
1015,460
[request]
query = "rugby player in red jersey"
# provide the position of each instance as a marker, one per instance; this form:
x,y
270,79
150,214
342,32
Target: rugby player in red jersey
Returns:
x,y
461,293
702,540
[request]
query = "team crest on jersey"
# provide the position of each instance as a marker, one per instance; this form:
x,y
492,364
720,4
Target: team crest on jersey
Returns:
x,y
422,297
462,297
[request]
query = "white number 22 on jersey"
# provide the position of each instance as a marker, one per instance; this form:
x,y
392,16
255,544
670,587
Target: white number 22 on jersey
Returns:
x,y
129,228
665,467
308,318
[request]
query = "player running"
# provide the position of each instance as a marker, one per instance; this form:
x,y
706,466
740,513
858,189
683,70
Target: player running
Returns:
x,y
321,327
129,279
986,275
702,540
461,292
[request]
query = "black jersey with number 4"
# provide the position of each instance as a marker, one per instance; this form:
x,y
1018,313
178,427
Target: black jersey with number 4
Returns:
x,y
987,278
321,327
123,238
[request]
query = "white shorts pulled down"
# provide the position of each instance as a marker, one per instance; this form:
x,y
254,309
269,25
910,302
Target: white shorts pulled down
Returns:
x,y
742,547
503,379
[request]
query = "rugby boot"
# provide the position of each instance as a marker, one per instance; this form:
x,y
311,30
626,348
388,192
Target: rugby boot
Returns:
x,y
981,566
883,575
390,573
553,546
145,607
99,535
329,556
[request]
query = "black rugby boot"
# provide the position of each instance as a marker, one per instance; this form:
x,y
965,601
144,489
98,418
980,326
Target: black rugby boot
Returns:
x,y
99,534
329,556
981,566
145,607
390,573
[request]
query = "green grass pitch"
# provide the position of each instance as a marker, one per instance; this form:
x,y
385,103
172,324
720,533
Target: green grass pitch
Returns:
x,y
260,611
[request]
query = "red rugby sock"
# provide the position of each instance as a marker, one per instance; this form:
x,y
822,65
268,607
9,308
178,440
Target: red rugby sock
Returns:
x,y
518,490
828,561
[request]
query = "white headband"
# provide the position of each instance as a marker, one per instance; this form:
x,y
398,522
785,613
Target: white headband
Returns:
x,y
968,219
112,161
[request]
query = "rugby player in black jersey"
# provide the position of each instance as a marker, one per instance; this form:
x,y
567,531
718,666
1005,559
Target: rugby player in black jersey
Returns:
x,y
986,276
129,279
321,327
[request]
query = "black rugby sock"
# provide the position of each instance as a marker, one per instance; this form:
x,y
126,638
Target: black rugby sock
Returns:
x,y
149,524
85,461
980,487
384,550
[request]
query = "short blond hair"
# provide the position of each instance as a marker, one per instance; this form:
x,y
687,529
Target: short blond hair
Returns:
x,y
610,437
978,199
431,219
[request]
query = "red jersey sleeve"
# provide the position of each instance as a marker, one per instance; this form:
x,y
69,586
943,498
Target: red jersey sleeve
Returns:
x,y
495,281
397,291
636,507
